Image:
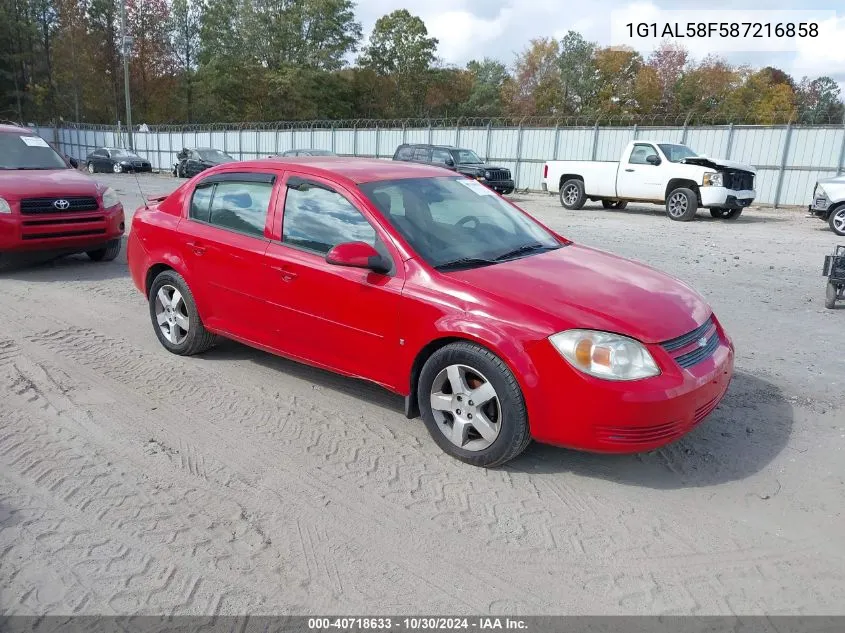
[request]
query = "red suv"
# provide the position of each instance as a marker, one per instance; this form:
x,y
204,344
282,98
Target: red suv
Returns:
x,y
496,329
46,205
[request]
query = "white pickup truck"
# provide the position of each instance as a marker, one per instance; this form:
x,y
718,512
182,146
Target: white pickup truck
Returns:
x,y
660,173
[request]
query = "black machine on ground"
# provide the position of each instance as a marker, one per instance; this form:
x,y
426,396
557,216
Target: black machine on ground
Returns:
x,y
834,270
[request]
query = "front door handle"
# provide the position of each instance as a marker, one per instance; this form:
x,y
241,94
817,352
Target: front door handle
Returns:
x,y
285,273
630,170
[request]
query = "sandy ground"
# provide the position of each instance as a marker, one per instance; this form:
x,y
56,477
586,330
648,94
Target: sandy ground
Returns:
x,y
134,481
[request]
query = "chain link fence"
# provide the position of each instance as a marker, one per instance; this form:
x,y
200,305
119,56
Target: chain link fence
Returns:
x,y
789,155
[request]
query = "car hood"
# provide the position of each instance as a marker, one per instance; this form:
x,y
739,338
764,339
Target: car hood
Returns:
x,y
26,183
833,180
714,163
576,286
477,168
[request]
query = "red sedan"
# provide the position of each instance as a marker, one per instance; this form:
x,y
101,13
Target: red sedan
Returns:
x,y
493,327
47,206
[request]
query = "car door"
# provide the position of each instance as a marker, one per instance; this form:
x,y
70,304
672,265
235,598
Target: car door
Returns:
x,y
101,160
442,157
224,239
422,155
345,319
639,179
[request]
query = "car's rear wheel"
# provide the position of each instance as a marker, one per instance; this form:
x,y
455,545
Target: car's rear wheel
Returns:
x,y
681,205
472,405
726,214
175,318
614,204
107,254
91,168
116,168
572,194
836,221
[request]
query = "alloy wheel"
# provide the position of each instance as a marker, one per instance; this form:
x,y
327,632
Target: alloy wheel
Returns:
x,y
678,204
466,407
570,194
172,314
838,221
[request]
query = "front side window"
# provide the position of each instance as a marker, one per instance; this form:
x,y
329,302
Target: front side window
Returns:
x,y
240,206
676,153
440,156
317,219
640,154
457,222
468,157
405,153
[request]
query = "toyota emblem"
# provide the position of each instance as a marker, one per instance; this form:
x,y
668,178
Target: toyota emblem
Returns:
x,y
61,204
702,342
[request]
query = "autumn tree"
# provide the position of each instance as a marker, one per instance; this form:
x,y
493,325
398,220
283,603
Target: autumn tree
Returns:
x,y
706,86
668,62
617,71
819,101
535,86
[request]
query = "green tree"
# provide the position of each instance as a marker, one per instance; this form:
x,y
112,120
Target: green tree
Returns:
x,y
185,23
668,61
399,45
488,78
820,101
578,73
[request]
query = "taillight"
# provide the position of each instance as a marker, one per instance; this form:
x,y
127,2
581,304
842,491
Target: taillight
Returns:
x,y
546,170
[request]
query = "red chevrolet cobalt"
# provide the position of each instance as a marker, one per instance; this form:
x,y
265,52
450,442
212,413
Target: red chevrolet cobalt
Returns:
x,y
495,329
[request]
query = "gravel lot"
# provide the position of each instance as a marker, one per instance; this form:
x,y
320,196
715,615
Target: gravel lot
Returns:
x,y
134,481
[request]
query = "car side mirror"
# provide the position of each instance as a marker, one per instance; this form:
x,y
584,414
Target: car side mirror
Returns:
x,y
73,162
653,159
450,162
358,255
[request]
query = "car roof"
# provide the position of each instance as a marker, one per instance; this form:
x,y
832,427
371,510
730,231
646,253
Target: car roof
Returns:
x,y
355,170
431,145
14,129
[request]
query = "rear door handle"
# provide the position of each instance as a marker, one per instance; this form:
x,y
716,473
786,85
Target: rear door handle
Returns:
x,y
198,249
285,273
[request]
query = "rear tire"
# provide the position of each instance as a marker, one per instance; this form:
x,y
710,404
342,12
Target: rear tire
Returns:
x,y
830,296
107,254
506,432
836,220
572,194
681,205
196,339
726,214
116,168
614,204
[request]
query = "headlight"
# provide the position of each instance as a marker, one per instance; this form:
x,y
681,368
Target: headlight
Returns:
x,y
713,179
819,192
4,206
605,355
110,198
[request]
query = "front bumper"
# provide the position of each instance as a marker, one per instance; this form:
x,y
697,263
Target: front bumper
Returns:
x,y
820,207
500,186
721,197
578,411
60,232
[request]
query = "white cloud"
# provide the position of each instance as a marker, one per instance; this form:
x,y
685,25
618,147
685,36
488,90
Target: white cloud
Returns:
x,y
462,35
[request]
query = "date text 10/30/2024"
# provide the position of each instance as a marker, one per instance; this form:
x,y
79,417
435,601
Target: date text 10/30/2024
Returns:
x,y
416,623
723,29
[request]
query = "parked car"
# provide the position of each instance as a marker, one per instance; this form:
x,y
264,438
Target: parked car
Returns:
x,y
656,172
115,160
829,202
493,327
463,161
304,152
196,160
47,206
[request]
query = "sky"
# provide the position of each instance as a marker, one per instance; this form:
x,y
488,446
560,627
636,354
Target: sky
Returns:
x,y
472,29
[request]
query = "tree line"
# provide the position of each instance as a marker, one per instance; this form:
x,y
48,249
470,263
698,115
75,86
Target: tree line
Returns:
x,y
200,61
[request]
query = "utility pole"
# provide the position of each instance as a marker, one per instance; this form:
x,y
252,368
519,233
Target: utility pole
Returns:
x,y
127,49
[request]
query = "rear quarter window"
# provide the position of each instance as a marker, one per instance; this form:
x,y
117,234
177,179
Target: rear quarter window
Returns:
x,y
405,153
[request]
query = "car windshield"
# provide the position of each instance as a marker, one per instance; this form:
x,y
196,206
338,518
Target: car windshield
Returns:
x,y
214,155
676,153
27,151
456,223
122,153
467,157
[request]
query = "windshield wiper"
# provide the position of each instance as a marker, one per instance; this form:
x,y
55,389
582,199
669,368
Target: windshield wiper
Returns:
x,y
465,262
522,250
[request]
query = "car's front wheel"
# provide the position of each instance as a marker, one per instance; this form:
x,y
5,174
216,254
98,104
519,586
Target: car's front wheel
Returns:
x,y
472,405
681,205
91,168
836,221
116,168
175,318
107,254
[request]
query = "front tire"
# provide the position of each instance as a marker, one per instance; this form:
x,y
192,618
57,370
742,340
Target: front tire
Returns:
x,y
681,205
116,168
91,169
836,221
107,254
726,214
572,194
175,318
472,405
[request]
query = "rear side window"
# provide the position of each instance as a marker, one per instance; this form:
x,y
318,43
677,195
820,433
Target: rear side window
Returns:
x,y
241,206
201,203
405,153
317,219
